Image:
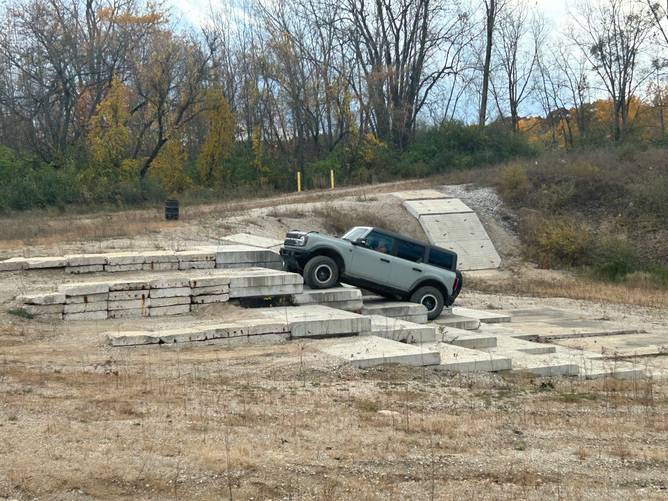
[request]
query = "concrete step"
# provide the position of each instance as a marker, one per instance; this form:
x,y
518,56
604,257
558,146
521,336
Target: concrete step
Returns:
x,y
343,298
403,310
403,331
466,338
458,359
137,292
261,324
485,316
371,351
227,256
448,319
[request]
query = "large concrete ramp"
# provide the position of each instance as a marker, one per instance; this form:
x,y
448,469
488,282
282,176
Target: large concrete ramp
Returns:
x,y
451,224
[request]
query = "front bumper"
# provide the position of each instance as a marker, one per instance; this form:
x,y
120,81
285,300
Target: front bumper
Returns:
x,y
294,258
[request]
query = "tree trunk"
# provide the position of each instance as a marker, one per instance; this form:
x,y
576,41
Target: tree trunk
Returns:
x,y
491,14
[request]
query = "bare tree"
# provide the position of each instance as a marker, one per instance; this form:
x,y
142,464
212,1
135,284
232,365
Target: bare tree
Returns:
x,y
492,10
520,36
611,35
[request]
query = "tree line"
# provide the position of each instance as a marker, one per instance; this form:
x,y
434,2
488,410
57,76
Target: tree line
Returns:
x,y
118,100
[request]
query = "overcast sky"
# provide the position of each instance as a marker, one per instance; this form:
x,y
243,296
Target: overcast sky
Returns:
x,y
197,11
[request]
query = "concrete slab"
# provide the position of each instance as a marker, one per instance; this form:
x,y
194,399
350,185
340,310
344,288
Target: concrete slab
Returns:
x,y
458,359
129,304
161,311
209,281
621,346
403,310
550,332
84,288
13,264
170,266
128,285
246,255
324,296
170,292
88,315
86,260
87,298
507,343
197,265
43,309
403,331
36,263
457,321
125,258
466,338
169,301
170,282
127,313
50,298
543,365
420,208
464,234
418,194
210,291
317,320
85,307
195,256
79,270
272,290
253,240
485,316
118,268
371,351
141,294
212,298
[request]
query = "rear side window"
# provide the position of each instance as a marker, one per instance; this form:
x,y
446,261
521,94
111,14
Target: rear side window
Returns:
x,y
442,259
379,242
411,251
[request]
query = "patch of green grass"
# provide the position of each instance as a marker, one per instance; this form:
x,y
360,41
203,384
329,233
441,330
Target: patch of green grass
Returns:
x,y
21,313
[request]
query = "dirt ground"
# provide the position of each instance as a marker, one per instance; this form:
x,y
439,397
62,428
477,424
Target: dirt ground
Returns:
x,y
82,420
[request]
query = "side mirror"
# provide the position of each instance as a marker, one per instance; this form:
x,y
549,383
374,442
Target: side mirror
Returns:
x,y
360,241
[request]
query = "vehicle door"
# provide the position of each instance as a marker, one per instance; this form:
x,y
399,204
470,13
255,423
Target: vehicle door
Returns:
x,y
409,267
372,258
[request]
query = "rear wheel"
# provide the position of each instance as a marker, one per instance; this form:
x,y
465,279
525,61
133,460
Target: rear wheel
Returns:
x,y
432,299
321,272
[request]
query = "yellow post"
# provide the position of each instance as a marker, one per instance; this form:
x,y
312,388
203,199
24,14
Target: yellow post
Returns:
x,y
331,178
299,181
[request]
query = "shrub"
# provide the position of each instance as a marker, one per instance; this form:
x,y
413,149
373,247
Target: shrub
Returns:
x,y
558,241
513,183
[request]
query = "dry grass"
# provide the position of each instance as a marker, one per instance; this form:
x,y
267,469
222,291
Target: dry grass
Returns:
x,y
581,288
274,422
337,220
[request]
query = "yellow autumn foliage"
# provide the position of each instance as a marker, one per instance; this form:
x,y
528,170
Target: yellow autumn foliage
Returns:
x,y
168,168
219,142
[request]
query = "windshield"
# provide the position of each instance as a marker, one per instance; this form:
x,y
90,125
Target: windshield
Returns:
x,y
355,233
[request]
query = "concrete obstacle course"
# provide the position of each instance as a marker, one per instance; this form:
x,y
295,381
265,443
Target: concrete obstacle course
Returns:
x,y
167,294
227,256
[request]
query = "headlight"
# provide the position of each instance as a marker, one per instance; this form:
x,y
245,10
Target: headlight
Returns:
x,y
301,241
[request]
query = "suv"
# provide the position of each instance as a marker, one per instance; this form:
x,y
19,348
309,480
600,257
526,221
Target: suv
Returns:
x,y
377,260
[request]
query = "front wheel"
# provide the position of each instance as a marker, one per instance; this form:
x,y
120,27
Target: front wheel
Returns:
x,y
431,298
321,272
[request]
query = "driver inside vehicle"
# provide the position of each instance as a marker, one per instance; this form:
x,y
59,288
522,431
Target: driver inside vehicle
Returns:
x,y
378,243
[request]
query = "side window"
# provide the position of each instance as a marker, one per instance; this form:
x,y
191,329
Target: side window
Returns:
x,y
410,250
442,259
379,242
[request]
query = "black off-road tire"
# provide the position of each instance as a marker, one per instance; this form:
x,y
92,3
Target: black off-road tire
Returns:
x,y
432,298
321,272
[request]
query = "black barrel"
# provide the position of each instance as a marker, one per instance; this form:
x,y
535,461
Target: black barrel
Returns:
x,y
171,209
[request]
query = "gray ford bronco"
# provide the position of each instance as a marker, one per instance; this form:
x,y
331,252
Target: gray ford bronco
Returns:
x,y
377,260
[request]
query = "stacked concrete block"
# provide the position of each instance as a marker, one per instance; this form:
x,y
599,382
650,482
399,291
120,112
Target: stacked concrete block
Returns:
x,y
263,325
245,256
85,301
261,282
227,256
342,298
13,264
44,306
411,312
206,290
403,331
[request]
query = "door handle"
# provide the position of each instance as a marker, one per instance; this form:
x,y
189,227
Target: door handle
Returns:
x,y
417,269
384,260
